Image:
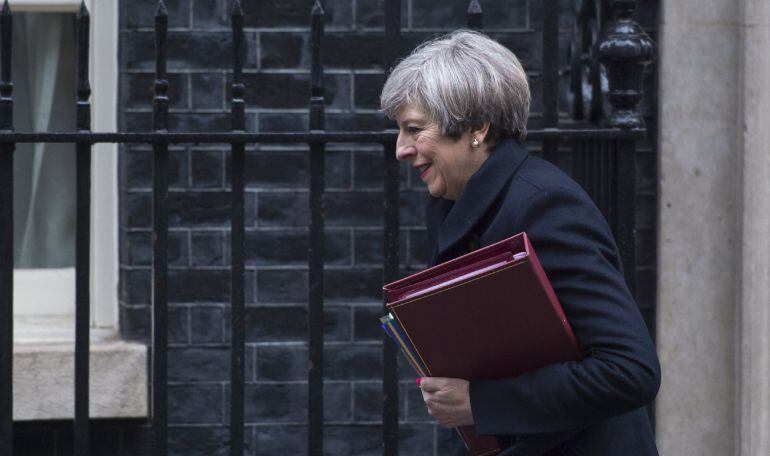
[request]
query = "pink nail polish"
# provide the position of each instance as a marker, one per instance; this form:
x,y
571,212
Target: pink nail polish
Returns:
x,y
418,381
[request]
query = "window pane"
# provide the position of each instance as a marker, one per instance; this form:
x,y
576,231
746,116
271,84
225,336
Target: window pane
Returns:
x,y
44,174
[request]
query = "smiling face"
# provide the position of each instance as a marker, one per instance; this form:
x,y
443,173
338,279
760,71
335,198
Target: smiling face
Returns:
x,y
445,163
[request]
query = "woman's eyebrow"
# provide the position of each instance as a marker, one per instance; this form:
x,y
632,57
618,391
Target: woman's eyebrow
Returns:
x,y
412,120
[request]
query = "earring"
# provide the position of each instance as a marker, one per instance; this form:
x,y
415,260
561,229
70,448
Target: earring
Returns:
x,y
475,143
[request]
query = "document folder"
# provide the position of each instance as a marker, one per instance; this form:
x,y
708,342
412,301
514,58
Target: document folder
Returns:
x,y
489,314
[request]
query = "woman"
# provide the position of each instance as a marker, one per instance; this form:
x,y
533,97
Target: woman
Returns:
x,y
461,103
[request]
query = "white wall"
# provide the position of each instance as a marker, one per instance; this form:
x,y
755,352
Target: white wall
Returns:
x,y
713,317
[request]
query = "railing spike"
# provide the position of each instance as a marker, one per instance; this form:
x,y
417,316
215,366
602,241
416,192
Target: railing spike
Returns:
x,y
83,10
161,11
474,15
625,50
318,9
6,49
236,10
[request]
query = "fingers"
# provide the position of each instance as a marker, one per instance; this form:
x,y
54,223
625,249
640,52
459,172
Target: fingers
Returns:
x,y
433,384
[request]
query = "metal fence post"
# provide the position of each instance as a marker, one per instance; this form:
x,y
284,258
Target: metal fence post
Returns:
x,y
317,247
82,241
6,236
390,242
474,16
160,243
624,50
237,237
551,75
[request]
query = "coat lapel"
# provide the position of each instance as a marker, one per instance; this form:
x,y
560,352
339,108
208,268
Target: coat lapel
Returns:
x,y
480,193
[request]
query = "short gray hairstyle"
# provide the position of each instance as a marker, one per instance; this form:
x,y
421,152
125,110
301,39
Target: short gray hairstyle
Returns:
x,y
462,81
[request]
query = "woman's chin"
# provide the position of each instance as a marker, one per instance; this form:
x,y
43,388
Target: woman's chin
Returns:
x,y
436,192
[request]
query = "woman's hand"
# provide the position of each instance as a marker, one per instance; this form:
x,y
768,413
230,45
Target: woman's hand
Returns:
x,y
448,400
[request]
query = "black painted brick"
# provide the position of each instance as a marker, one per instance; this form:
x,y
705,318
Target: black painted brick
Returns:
x,y
203,364
368,400
370,14
281,286
134,323
141,13
138,168
282,121
207,248
139,247
204,209
198,285
281,439
353,440
208,91
369,247
353,285
368,171
342,208
205,122
416,439
366,322
207,324
292,91
135,286
283,209
268,13
203,441
415,406
353,362
195,404
282,363
290,247
186,50
536,11
289,323
286,169
527,46
178,325
452,15
354,122
285,50
139,89
367,88
207,168
275,403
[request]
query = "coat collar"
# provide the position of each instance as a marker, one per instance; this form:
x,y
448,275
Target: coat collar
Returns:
x,y
480,193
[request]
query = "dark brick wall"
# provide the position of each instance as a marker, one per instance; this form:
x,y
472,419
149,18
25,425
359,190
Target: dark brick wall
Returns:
x,y
276,75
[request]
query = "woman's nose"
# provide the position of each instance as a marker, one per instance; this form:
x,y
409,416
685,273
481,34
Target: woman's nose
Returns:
x,y
405,151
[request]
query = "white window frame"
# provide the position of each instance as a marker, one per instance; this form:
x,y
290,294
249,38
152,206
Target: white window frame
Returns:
x,y
52,307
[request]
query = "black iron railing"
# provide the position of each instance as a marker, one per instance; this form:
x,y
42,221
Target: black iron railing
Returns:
x,y
602,159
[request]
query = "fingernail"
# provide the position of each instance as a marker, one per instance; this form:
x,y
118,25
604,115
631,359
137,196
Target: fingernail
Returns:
x,y
418,381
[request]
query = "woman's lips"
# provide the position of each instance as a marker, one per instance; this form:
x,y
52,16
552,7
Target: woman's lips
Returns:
x,y
424,172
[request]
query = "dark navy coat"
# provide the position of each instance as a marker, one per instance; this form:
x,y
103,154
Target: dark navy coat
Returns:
x,y
592,407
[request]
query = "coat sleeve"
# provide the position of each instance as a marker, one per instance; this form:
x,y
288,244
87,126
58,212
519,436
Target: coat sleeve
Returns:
x,y
619,371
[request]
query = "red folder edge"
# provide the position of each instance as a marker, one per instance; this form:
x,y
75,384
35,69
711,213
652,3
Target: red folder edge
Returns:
x,y
463,270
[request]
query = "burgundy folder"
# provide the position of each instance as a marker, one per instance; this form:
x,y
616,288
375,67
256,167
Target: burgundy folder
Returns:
x,y
489,314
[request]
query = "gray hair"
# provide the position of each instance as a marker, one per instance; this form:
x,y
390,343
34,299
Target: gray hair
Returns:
x,y
462,81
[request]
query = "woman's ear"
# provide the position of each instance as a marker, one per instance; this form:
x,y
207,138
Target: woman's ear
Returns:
x,y
481,133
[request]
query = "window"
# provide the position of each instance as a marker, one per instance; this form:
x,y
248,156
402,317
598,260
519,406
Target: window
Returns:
x,y
44,221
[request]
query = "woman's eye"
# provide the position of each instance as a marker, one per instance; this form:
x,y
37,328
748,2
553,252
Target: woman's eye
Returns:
x,y
412,130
